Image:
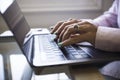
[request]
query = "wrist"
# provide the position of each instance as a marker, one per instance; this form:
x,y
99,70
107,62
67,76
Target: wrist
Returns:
x,y
92,36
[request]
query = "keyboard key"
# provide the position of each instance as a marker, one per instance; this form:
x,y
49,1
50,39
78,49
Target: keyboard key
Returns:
x,y
85,55
78,56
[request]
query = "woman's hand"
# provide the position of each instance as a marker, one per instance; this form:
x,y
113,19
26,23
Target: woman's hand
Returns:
x,y
62,24
74,31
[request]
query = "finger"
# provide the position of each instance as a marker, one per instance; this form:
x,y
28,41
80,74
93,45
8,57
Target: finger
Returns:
x,y
63,31
59,24
59,30
58,36
61,34
69,31
65,34
70,19
56,26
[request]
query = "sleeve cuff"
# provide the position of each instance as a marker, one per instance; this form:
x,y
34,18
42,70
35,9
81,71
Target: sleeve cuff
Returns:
x,y
108,39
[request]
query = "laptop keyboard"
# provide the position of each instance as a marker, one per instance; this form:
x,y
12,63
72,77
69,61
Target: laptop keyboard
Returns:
x,y
51,51
75,52
48,49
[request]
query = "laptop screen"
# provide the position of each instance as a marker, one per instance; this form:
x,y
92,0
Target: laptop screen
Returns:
x,y
14,19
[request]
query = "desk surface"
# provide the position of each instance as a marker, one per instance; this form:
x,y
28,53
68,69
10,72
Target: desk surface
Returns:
x,y
87,73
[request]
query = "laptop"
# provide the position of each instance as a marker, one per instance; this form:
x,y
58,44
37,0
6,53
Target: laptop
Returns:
x,y
39,47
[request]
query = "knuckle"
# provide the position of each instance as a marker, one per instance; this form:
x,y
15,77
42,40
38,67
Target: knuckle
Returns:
x,y
66,27
86,22
65,23
60,22
69,29
75,20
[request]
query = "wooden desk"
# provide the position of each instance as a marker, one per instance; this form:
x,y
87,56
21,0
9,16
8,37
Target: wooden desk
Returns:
x,y
87,73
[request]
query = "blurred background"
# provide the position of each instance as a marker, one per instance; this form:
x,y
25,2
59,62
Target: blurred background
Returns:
x,y
45,13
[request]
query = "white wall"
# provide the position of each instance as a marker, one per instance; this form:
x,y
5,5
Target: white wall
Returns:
x,y
46,17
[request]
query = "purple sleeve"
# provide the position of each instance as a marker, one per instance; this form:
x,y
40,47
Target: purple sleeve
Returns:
x,y
108,38
109,18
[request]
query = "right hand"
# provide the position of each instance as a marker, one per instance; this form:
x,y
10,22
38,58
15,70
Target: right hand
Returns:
x,y
67,35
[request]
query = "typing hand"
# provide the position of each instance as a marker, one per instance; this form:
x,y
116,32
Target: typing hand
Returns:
x,y
74,31
59,27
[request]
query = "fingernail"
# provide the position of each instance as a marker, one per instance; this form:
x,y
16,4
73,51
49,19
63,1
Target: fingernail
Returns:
x,y
58,40
59,44
55,33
